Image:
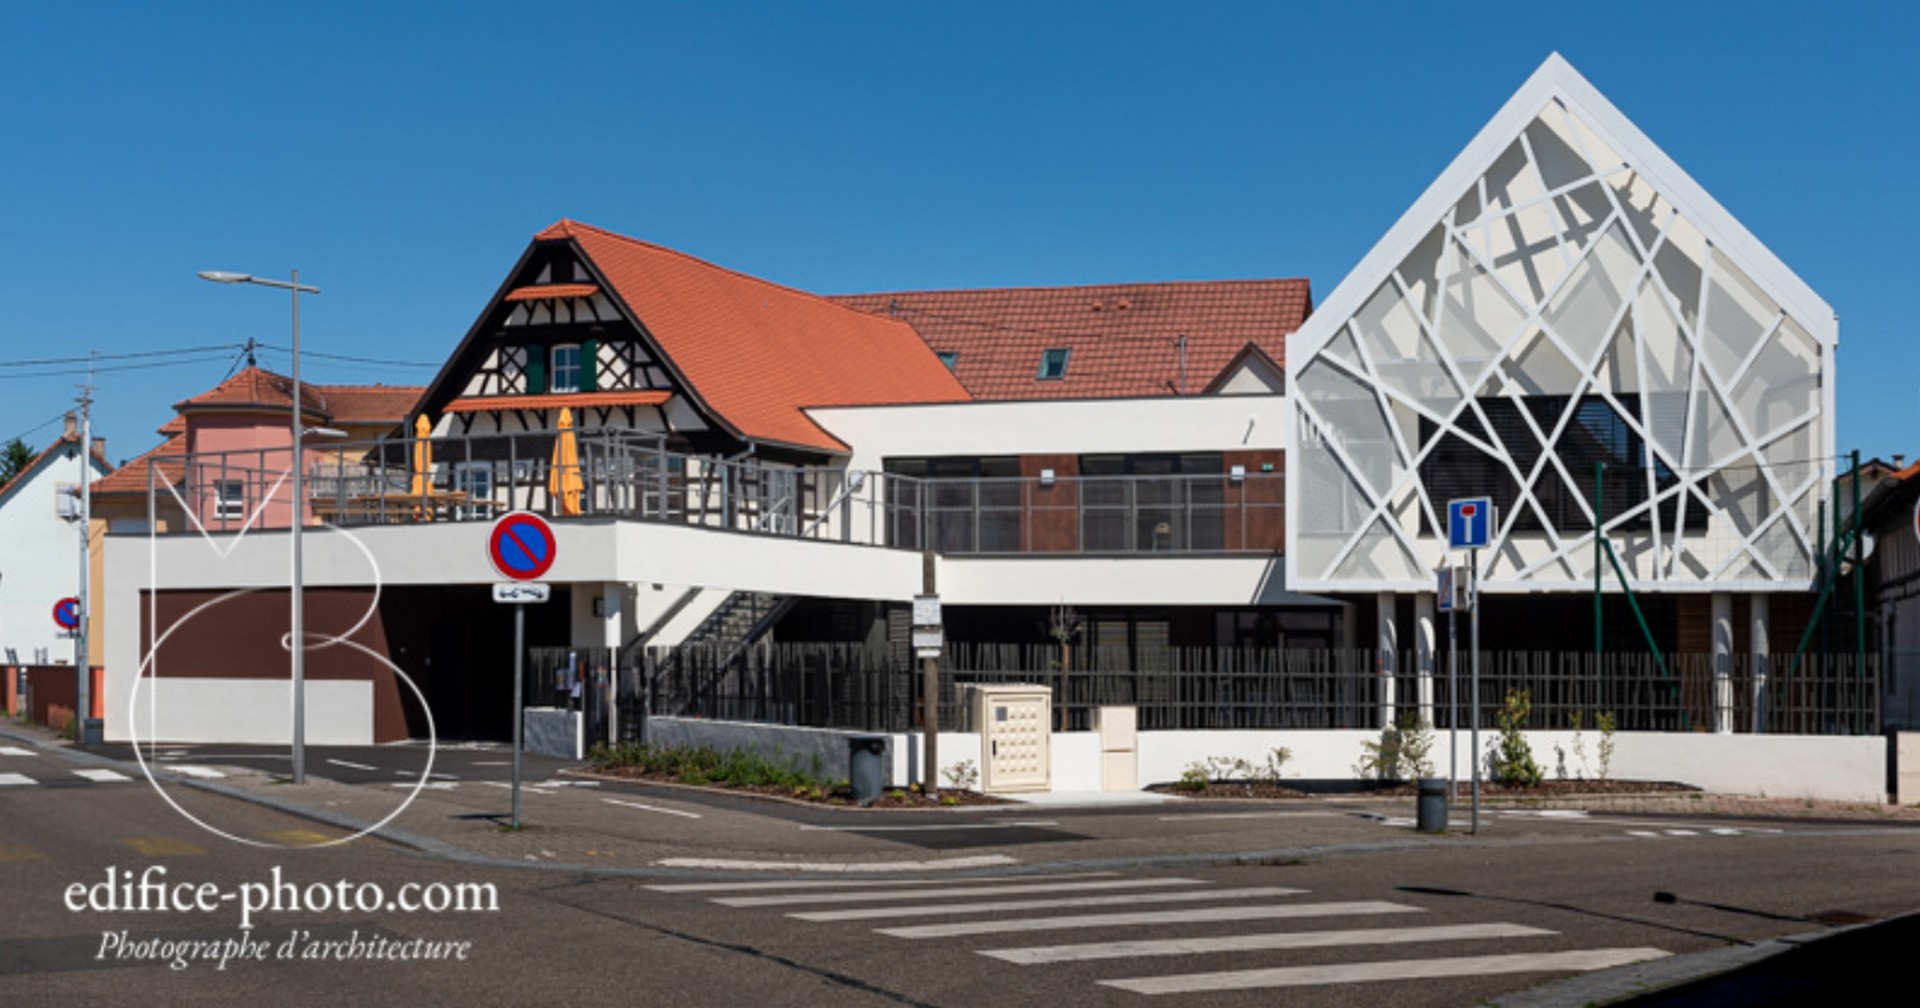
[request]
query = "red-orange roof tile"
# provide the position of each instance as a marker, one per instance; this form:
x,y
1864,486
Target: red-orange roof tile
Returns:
x,y
169,460
355,404
63,439
574,400
757,353
1124,338
536,292
254,387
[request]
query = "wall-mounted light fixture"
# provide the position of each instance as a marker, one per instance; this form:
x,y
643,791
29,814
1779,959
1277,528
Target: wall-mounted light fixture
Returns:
x,y
1046,477
1237,474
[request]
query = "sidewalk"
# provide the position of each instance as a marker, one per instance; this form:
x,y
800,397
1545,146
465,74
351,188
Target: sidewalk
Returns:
x,y
578,822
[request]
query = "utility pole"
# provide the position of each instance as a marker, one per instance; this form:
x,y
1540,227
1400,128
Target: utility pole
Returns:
x,y
82,659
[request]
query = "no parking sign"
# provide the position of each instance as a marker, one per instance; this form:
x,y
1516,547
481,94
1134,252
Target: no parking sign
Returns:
x,y
66,613
521,546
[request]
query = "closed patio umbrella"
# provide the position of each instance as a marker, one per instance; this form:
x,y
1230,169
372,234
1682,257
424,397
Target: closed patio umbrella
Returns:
x,y
422,465
564,483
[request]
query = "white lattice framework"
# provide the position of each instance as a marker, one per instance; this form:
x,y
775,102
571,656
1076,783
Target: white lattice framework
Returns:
x,y
1563,285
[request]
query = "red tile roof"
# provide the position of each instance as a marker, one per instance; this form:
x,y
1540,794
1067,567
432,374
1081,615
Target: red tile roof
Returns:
x,y
256,388
536,292
65,439
757,353
1123,337
370,404
576,400
170,461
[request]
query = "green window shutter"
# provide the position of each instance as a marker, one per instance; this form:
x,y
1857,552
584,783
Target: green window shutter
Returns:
x,y
589,365
536,370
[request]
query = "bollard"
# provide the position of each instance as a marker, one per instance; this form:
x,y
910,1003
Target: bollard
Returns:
x,y
1430,812
866,767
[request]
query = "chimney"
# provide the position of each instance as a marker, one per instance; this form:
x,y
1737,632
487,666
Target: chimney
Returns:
x,y
72,433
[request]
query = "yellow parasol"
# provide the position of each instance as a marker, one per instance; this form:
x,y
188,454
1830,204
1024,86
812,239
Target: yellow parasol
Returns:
x,y
564,485
422,464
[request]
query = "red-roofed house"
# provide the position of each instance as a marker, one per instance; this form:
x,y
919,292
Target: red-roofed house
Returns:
x,y
40,562
1095,342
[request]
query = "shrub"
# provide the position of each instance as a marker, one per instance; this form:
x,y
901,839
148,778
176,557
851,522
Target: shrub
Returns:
x,y
1194,777
963,775
1607,723
1513,763
1401,752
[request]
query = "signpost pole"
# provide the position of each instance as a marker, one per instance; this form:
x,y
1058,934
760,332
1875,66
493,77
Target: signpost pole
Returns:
x,y
930,687
519,681
1473,645
1453,703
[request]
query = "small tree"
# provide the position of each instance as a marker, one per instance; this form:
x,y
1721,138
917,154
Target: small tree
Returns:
x,y
1063,625
1513,757
15,457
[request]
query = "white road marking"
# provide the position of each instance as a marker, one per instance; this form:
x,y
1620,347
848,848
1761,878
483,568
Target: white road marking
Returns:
x,y
1405,969
103,776
351,766
1546,813
14,751
195,771
651,808
1631,832
1248,815
1150,917
697,887
7,779
789,899
491,762
1683,832
1259,942
861,867
915,829
439,785
934,909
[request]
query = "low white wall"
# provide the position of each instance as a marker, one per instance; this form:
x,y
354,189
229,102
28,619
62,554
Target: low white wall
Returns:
x,y
1076,761
552,731
1795,766
245,711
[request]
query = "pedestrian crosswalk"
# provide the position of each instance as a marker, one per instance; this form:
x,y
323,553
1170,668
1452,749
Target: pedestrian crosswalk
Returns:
x,y
9,779
1128,926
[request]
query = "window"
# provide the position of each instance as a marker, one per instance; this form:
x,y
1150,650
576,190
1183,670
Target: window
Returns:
x,y
475,479
229,499
565,376
949,358
1053,364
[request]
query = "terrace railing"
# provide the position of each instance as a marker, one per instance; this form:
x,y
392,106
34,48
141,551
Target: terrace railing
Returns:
x,y
631,475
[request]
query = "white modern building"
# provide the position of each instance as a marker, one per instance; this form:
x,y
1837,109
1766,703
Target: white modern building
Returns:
x,y
1226,503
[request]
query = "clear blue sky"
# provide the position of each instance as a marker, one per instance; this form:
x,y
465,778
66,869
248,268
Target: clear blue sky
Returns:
x,y
402,155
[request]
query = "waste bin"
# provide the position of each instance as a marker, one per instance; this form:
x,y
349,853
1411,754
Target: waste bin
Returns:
x,y
1430,810
866,767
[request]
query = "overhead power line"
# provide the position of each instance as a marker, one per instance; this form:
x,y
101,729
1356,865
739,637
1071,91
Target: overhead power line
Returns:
x,y
137,355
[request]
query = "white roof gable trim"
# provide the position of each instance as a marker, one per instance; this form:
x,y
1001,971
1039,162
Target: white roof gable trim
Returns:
x,y
1557,80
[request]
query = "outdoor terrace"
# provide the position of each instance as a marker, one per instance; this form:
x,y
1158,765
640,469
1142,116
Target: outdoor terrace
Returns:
x,y
633,476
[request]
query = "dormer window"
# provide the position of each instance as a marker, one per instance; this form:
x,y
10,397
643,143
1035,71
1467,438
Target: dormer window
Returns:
x,y
565,373
949,358
1053,364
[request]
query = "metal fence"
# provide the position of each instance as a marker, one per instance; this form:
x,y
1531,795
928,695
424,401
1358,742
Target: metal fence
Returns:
x,y
631,475
879,689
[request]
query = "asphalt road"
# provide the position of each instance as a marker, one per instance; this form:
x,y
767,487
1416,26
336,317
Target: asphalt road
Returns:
x,y
1519,915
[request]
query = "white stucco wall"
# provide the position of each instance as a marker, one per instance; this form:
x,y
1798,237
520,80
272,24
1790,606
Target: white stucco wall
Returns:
x,y
40,562
1067,426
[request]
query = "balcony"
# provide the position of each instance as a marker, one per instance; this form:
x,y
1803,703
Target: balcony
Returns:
x,y
632,476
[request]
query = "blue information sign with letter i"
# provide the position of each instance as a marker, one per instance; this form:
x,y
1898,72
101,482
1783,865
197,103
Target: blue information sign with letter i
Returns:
x,y
1469,523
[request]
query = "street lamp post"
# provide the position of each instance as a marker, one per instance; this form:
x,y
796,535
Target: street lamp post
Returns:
x,y
297,638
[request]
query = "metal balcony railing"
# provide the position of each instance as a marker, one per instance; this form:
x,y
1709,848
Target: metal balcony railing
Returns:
x,y
630,475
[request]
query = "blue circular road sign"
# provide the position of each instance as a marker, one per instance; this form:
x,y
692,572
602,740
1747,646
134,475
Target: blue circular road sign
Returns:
x,y
521,546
